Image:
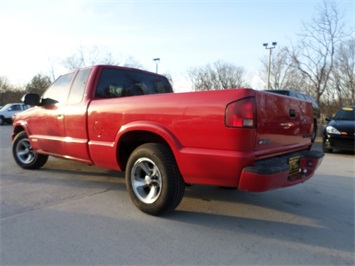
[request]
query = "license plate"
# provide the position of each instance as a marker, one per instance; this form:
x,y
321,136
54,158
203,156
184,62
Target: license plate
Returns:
x,y
294,165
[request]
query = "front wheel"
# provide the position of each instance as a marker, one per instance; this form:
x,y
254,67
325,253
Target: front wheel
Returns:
x,y
327,149
24,155
153,179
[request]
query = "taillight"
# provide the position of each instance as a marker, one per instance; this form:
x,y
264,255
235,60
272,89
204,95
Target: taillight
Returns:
x,y
241,113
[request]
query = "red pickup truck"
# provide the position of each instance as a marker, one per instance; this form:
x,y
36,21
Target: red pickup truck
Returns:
x,y
130,120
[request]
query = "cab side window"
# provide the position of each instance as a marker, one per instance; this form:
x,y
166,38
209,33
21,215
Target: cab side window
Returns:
x,y
16,107
59,90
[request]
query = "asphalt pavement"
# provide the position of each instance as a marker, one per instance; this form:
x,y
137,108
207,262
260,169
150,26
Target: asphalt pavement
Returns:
x,y
69,213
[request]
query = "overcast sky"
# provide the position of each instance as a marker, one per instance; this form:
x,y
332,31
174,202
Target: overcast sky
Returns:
x,y
36,35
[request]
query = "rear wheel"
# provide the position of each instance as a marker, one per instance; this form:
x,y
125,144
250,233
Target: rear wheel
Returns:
x,y
24,155
153,179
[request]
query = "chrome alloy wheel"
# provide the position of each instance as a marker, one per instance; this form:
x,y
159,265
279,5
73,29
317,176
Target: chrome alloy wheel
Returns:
x,y
24,151
146,180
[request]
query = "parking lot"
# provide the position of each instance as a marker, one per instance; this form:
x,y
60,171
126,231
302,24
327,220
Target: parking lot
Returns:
x,y
73,214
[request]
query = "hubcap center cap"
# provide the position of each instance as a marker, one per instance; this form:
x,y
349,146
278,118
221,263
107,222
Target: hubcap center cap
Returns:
x,y
148,180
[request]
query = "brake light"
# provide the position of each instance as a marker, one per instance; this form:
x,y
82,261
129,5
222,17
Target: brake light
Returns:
x,y
241,113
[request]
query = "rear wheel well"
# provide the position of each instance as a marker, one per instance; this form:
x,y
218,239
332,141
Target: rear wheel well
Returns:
x,y
131,140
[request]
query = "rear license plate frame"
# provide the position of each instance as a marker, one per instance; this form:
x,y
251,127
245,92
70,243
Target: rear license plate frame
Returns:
x,y
294,165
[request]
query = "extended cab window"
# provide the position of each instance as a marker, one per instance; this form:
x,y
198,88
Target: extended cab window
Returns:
x,y
120,83
77,91
59,90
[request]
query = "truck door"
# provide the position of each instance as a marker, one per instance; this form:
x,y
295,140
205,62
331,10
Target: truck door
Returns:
x,y
47,126
75,121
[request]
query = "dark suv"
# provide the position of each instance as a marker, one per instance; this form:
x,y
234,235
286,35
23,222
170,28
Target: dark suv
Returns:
x,y
302,96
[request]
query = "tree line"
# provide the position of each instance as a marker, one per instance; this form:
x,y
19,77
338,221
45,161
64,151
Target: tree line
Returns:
x,y
321,63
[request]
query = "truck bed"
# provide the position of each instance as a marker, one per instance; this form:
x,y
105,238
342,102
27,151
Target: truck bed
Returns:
x,y
194,126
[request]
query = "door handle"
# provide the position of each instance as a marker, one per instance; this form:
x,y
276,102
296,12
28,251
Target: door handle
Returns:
x,y
292,113
60,116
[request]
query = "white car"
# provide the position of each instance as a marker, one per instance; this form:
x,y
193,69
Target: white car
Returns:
x,y
11,109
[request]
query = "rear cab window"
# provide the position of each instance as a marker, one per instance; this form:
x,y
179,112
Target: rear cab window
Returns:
x,y
114,83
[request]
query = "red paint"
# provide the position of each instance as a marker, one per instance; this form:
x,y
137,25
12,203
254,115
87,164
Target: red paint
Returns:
x,y
214,135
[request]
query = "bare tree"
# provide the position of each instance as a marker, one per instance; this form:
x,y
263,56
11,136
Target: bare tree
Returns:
x,y
344,73
282,74
314,56
9,93
51,70
87,57
219,76
131,62
4,84
38,84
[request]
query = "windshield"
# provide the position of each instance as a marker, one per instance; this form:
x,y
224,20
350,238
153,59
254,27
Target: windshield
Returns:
x,y
346,113
6,106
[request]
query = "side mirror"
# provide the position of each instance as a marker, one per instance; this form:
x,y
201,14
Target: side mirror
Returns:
x,y
48,102
327,119
31,99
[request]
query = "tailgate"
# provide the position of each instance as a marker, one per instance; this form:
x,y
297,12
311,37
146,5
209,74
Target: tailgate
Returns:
x,y
284,124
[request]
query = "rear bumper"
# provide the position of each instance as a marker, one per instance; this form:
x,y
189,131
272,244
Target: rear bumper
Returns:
x,y
276,172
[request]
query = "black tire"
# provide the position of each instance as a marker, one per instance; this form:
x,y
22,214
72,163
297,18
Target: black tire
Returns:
x,y
153,179
2,120
326,145
24,155
326,148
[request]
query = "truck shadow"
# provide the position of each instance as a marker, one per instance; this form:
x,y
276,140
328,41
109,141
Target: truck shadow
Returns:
x,y
322,237
301,214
